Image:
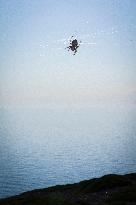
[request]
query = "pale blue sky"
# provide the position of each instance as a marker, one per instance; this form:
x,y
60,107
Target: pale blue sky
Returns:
x,y
36,69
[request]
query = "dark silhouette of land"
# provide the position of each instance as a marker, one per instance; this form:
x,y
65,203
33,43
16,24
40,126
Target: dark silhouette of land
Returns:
x,y
107,190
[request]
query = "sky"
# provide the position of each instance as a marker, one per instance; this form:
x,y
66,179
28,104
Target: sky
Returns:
x,y
35,67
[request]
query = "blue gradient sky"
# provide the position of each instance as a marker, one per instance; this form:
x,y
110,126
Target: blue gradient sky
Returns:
x,y
35,68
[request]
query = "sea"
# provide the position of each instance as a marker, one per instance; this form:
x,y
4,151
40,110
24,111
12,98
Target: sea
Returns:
x,y
49,145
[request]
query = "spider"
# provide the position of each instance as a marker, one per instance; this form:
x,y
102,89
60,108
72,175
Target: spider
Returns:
x,y
73,45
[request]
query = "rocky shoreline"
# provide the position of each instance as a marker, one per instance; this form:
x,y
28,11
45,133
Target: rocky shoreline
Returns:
x,y
107,190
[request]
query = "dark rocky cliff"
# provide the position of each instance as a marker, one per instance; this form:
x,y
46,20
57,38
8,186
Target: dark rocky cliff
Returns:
x,y
107,190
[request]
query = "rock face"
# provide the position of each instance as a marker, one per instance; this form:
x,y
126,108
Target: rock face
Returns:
x,y
107,190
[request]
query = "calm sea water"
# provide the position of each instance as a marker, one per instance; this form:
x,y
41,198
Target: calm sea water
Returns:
x,y
41,147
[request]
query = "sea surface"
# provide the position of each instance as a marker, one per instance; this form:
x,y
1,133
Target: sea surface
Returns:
x,y
45,146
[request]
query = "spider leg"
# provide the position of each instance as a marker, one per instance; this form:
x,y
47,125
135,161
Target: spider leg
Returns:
x,y
75,52
71,39
67,48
